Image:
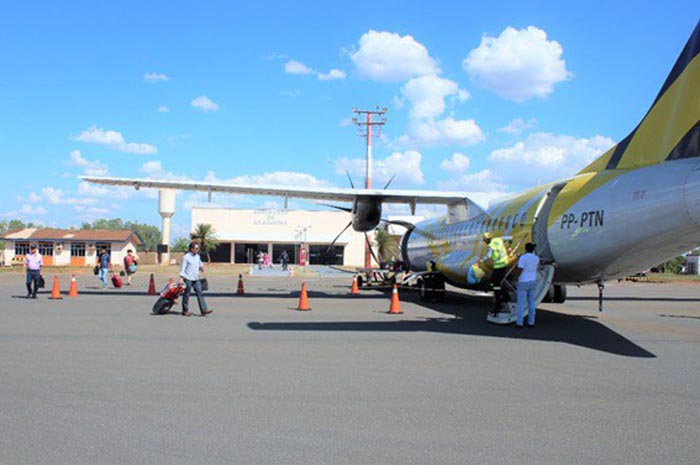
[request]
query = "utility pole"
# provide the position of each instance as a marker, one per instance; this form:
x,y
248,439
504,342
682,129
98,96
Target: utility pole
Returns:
x,y
367,115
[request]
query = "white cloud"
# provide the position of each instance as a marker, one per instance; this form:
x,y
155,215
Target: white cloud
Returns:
x,y
482,187
291,93
405,165
517,65
296,67
388,57
445,132
458,163
163,109
114,140
427,95
548,156
204,103
332,75
25,211
152,167
517,126
112,192
155,77
276,178
90,167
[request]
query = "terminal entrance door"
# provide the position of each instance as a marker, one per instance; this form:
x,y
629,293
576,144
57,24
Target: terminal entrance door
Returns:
x,y
248,253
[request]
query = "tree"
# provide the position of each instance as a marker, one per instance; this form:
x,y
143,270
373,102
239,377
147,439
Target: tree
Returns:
x,y
149,234
387,246
204,235
181,244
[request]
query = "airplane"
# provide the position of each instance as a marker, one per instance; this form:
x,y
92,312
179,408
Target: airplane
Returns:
x,y
635,206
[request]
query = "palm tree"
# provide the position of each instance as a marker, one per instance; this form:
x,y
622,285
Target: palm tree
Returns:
x,y
387,247
204,235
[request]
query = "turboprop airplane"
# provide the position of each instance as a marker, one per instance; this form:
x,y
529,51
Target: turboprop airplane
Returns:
x,y
637,205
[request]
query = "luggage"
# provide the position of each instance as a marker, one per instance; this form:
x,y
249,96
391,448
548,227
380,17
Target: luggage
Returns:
x,y
117,281
167,298
204,283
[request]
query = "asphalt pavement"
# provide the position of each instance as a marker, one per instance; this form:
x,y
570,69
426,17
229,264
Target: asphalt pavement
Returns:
x,y
98,380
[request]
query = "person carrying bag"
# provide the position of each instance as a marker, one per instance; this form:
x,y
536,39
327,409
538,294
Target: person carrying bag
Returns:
x,y
189,275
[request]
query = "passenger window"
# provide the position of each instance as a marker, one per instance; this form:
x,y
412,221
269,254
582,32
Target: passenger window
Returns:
x,y
523,219
515,220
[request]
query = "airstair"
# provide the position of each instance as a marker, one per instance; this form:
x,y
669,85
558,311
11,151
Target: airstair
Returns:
x,y
508,315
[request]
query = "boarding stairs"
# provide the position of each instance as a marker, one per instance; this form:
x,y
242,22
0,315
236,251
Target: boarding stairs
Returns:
x,y
509,314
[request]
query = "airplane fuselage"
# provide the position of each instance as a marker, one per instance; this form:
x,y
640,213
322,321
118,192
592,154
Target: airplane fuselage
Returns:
x,y
593,227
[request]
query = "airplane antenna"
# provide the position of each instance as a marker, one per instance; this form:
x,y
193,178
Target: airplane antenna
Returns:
x,y
365,123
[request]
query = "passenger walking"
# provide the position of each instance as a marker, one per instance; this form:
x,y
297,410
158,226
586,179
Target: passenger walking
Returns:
x,y
260,257
527,284
189,274
496,251
284,259
130,265
32,268
266,260
103,264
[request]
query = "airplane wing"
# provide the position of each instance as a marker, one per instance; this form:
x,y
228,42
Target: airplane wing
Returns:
x,y
314,193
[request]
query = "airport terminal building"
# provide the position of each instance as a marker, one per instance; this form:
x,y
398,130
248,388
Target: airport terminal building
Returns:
x,y
241,234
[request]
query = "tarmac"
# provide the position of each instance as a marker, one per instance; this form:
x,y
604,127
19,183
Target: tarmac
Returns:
x,y
98,380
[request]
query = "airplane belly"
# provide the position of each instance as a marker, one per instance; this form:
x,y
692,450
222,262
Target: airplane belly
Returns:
x,y
629,224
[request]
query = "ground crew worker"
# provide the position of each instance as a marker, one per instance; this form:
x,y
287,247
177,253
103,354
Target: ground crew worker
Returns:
x,y
497,252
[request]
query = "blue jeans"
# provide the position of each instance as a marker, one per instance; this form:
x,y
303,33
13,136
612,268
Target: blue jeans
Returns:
x,y
526,291
197,285
104,272
32,276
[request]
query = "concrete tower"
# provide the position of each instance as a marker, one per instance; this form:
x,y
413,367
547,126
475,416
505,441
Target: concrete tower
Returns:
x,y
166,208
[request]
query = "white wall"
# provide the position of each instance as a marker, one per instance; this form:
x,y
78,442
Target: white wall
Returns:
x,y
282,226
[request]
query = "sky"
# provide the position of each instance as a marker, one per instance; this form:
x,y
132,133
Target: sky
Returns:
x,y
482,99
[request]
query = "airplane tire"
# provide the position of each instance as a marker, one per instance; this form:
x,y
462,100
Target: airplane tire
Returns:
x,y
559,294
549,296
360,281
423,291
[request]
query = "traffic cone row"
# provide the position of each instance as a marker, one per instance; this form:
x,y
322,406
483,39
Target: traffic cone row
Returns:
x,y
394,308
303,299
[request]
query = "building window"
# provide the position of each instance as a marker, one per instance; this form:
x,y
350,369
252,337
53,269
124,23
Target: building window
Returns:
x,y
103,245
77,249
322,255
46,248
21,248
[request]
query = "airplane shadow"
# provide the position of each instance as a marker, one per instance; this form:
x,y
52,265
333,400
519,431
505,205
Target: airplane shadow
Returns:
x,y
466,317
637,299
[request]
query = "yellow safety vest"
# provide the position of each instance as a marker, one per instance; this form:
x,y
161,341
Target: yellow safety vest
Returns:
x,y
499,255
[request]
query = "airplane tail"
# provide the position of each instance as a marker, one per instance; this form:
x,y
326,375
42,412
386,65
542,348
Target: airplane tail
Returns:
x,y
671,128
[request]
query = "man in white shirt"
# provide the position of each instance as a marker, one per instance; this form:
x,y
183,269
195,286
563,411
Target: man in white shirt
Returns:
x,y
527,283
189,274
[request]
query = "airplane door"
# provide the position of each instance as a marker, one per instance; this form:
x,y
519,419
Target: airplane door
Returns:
x,y
539,226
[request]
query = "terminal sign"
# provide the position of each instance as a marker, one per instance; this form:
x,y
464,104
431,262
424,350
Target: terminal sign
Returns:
x,y
270,217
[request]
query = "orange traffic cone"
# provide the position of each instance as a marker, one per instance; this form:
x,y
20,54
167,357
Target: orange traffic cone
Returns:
x,y
240,290
395,308
152,286
354,289
56,290
303,299
73,291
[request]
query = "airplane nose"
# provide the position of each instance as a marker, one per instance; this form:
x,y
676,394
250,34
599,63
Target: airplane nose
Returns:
x,y
691,195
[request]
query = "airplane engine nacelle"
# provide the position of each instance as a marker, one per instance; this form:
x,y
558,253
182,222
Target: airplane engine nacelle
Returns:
x,y
366,214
